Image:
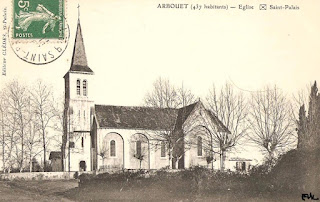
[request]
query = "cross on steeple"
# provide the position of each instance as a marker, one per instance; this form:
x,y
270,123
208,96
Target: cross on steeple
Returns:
x,y
78,12
79,60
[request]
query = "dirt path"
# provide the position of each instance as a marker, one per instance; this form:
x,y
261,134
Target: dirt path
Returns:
x,y
10,192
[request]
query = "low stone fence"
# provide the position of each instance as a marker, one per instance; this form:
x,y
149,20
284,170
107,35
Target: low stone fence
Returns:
x,y
38,176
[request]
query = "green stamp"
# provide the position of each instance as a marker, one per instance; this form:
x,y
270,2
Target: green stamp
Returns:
x,y
38,19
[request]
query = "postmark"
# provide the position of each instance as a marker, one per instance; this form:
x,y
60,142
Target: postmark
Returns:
x,y
39,33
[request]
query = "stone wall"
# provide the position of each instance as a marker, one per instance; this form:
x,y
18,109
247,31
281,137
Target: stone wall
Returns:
x,y
37,176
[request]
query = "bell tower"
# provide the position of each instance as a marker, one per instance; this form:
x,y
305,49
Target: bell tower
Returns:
x,y
78,109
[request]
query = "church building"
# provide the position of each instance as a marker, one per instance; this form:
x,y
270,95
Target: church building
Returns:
x,y
103,137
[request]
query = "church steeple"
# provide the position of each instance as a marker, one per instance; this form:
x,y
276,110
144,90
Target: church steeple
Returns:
x,y
79,61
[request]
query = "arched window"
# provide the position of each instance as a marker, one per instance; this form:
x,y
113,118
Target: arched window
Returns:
x,y
78,87
112,148
163,149
85,91
199,146
138,148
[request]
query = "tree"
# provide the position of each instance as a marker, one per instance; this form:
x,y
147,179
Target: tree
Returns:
x,y
139,145
3,125
302,127
33,144
308,127
270,121
231,109
18,109
103,152
166,95
44,111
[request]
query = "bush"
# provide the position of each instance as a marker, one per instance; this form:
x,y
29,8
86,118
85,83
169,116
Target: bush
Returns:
x,y
297,170
76,175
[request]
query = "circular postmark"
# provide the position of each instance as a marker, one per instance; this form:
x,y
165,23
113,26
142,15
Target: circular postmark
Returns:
x,y
39,33
39,51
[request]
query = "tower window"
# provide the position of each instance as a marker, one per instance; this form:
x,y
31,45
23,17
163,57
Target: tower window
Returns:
x,y
138,148
82,142
78,87
113,148
163,149
199,146
85,91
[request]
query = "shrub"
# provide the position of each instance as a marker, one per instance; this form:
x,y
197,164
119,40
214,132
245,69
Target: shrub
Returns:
x,y
76,175
297,171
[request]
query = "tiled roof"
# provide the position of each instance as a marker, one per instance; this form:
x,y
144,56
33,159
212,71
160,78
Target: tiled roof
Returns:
x,y
55,155
79,68
183,114
221,126
147,117
135,117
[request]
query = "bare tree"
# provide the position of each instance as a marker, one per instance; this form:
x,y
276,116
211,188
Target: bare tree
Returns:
x,y
272,127
103,152
18,99
44,111
3,125
139,146
166,95
231,109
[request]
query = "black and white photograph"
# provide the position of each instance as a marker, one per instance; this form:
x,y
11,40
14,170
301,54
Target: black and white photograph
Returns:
x,y
160,100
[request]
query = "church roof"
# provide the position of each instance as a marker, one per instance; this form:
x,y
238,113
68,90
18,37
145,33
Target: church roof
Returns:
x,y
135,117
79,61
183,114
148,118
221,126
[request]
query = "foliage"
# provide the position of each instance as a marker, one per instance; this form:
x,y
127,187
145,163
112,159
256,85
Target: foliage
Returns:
x,y
297,171
309,125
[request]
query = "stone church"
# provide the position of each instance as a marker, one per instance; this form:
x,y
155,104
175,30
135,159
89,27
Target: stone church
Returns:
x,y
103,137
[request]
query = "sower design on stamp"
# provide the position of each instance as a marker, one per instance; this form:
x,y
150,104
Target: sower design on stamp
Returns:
x,y
38,19
39,33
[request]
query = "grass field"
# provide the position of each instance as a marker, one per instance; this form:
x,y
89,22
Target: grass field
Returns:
x,y
136,190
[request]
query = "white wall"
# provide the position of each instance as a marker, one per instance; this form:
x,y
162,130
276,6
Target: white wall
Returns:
x,y
152,161
79,153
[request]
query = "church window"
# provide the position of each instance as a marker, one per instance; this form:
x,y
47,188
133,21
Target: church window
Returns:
x,y
84,114
79,116
78,87
199,145
112,148
138,148
85,92
163,149
82,142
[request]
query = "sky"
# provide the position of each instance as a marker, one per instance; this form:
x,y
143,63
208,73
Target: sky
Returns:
x,y
130,43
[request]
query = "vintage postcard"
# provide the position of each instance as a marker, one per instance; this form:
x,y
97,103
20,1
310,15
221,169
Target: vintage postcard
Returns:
x,y
149,100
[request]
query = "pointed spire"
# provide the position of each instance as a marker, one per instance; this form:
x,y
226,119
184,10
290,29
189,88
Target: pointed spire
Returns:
x,y
79,61
79,54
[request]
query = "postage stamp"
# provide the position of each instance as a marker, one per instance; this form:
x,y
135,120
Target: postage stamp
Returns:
x,y
39,32
38,19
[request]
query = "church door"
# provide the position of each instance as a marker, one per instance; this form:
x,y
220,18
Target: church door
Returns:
x,y
82,166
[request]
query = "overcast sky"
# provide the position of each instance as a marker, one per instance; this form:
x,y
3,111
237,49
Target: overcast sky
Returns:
x,y
131,43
